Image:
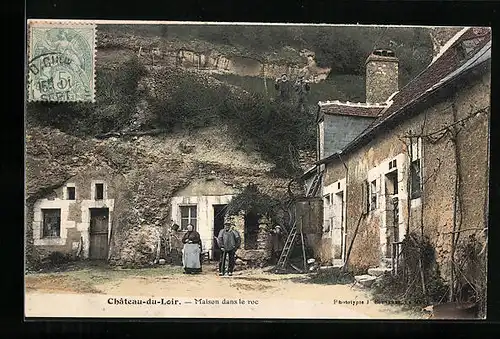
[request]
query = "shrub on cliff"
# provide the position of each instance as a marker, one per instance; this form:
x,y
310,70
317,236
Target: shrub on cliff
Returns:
x,y
116,97
277,128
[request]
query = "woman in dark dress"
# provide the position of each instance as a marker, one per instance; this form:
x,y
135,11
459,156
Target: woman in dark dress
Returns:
x,y
191,251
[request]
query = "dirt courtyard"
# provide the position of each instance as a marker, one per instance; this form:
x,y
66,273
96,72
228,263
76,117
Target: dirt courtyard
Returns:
x,y
249,284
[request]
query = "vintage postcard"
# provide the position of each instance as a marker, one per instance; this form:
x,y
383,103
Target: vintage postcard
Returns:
x,y
237,170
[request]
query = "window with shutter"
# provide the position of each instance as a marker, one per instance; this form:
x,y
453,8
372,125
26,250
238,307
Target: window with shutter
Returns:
x,y
416,184
373,195
365,197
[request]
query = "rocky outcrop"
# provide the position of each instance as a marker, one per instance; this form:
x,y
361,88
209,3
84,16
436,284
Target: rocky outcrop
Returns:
x,y
205,58
151,168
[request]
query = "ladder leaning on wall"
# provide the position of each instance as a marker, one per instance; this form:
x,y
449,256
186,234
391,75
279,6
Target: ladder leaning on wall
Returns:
x,y
292,234
289,243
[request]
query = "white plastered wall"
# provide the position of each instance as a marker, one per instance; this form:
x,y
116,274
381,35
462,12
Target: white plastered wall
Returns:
x,y
204,213
321,132
335,215
378,173
64,205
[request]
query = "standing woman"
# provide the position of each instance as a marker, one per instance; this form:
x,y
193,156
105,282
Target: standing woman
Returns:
x,y
191,253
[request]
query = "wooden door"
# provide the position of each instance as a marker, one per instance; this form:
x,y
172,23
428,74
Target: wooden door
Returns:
x,y
99,221
336,222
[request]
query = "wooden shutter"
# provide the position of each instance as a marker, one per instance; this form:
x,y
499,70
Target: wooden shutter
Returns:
x,y
365,196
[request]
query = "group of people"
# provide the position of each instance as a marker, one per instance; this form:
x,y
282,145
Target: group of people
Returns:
x,y
228,240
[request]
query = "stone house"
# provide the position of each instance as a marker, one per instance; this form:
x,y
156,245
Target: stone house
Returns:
x,y
76,218
203,203
418,162
93,216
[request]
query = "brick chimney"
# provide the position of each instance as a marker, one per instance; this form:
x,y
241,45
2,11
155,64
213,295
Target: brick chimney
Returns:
x,y
381,75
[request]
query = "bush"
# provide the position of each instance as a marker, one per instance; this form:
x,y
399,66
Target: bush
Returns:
x,y
407,285
116,98
332,277
57,259
251,200
277,128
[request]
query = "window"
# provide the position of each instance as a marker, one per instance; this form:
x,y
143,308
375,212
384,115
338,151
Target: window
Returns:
x,y
366,197
51,222
188,216
392,164
99,191
373,195
416,183
338,185
327,199
70,193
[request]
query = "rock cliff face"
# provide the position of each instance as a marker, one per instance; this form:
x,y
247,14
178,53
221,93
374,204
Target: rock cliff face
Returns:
x,y
151,170
205,58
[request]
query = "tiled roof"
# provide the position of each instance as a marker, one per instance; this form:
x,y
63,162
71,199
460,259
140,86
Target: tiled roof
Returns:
x,y
450,60
351,109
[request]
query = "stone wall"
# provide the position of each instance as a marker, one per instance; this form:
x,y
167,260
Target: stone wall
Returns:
x,y
434,210
149,170
339,130
204,58
75,216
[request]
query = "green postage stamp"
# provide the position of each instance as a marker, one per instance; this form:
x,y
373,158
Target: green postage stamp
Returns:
x,y
61,61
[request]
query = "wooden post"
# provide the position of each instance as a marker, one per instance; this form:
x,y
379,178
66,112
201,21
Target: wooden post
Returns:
x,y
344,268
303,248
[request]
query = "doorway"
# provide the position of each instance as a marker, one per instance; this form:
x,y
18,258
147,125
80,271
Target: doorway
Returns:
x,y
219,214
251,230
391,212
338,226
99,223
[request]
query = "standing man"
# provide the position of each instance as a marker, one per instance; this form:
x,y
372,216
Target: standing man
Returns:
x,y
229,241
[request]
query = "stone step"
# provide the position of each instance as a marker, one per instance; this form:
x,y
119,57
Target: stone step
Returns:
x,y
378,271
365,280
337,262
386,262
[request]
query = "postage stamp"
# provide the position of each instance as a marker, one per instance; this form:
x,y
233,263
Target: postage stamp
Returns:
x,y
61,61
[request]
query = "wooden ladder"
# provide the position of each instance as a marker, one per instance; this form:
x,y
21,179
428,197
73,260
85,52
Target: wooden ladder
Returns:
x,y
287,249
313,189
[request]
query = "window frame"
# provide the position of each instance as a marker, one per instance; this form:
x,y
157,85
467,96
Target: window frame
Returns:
x,y
96,190
190,217
45,211
68,196
415,174
372,195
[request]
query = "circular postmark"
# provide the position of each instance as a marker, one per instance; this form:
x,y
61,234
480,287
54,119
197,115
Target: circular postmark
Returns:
x,y
61,67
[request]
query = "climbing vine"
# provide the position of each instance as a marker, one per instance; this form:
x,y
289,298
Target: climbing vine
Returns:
x,y
463,285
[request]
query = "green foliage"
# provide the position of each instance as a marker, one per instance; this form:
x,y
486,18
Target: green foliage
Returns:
x,y
418,258
116,96
276,128
331,277
191,104
344,87
251,200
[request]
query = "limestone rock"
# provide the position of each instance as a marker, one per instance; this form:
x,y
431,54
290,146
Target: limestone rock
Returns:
x,y
365,280
378,271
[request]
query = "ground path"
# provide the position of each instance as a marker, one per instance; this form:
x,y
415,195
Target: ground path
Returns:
x,y
289,295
